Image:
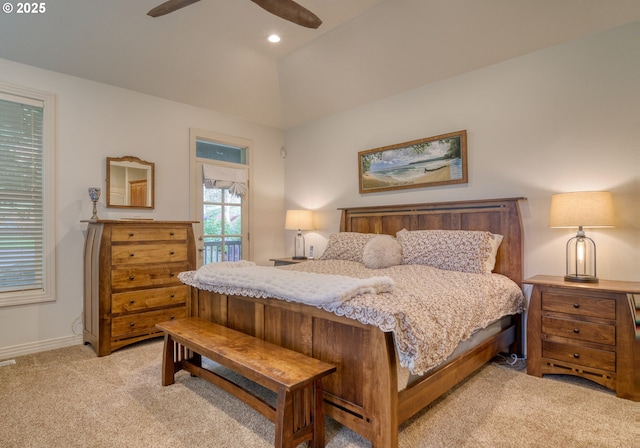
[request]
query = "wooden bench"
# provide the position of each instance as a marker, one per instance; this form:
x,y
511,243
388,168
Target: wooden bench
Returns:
x,y
296,378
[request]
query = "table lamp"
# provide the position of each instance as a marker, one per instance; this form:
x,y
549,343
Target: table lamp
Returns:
x,y
299,220
581,209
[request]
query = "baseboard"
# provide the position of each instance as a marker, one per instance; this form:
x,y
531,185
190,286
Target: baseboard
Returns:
x,y
39,346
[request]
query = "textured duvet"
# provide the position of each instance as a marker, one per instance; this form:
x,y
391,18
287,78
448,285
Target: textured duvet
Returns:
x,y
429,310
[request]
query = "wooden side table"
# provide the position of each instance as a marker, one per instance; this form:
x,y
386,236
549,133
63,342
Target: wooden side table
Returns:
x,y
586,330
286,261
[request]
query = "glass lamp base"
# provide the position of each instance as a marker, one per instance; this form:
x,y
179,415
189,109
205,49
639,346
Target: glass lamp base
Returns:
x,y
581,278
298,247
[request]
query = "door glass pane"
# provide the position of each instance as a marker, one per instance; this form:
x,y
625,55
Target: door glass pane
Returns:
x,y
212,195
212,250
233,249
231,198
212,219
222,225
233,220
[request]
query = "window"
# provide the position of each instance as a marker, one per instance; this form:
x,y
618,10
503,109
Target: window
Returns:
x,y
27,196
220,196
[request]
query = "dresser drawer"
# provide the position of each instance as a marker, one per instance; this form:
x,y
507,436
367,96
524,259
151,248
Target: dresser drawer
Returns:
x,y
588,357
578,305
136,277
143,323
148,234
135,301
579,330
148,253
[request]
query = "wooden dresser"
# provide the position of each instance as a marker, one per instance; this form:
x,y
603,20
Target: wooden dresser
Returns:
x,y
586,330
131,279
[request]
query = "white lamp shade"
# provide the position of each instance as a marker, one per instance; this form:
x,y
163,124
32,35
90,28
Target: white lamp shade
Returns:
x,y
584,208
299,220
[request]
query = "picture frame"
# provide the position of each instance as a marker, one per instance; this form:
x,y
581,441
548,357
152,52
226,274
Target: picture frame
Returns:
x,y
427,162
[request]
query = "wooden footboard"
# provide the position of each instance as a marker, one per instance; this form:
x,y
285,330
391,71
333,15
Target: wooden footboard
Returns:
x,y
363,393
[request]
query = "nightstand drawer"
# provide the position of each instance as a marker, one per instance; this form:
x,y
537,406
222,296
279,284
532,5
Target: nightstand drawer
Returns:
x,y
579,305
598,359
579,330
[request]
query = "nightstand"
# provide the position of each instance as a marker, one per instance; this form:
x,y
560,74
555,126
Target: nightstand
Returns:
x,y
286,261
586,330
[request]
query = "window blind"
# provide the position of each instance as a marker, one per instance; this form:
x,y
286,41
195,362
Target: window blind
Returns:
x,y
21,195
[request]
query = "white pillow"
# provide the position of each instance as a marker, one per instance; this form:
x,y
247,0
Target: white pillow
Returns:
x,y
382,251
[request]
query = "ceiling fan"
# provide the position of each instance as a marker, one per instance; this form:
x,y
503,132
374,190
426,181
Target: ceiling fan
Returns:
x,y
286,9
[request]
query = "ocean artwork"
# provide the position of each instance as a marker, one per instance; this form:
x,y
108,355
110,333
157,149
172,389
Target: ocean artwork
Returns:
x,y
431,161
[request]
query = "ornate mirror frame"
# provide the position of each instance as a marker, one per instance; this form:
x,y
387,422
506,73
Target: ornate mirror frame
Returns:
x,y
130,183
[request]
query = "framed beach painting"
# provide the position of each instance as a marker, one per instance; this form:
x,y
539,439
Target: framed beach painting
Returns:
x,y
431,161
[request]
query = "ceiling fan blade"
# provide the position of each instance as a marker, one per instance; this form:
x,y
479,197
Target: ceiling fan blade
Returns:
x,y
169,6
291,11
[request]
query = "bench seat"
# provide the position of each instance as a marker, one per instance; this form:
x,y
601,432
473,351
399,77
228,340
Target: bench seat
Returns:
x,y
296,378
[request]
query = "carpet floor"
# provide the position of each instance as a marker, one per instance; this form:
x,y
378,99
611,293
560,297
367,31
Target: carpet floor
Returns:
x,y
71,398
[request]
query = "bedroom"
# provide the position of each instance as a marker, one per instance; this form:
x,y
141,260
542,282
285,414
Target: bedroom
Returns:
x,y
558,119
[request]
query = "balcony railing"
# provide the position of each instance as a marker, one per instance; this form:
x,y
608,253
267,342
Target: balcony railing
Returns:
x,y
213,251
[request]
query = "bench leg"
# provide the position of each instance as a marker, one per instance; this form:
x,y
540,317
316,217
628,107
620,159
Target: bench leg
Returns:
x,y
284,420
317,416
168,365
307,414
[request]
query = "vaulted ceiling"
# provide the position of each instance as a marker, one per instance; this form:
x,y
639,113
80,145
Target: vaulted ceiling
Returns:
x,y
214,53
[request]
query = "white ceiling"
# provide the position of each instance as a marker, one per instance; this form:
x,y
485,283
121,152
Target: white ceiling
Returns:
x,y
214,53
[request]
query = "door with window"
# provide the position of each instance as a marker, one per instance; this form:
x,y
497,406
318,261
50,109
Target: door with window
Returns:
x,y
220,197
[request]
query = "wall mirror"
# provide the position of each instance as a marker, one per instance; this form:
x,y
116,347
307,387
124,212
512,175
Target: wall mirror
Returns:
x,y
130,182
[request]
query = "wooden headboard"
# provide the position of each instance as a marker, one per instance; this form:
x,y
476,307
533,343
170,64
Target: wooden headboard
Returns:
x,y
501,216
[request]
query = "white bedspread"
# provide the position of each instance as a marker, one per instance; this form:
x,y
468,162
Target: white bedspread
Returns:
x,y
326,290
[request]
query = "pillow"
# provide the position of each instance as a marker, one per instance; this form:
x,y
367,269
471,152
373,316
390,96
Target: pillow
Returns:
x,y
453,250
346,246
382,251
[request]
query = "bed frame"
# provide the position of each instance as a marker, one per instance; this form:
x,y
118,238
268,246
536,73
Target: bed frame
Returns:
x,y
363,393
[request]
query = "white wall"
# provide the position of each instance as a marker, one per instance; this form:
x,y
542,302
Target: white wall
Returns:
x,y
95,121
562,119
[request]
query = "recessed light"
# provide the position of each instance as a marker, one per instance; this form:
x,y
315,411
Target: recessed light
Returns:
x,y
274,38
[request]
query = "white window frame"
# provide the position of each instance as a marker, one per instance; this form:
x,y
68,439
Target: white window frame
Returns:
x,y
195,189
18,94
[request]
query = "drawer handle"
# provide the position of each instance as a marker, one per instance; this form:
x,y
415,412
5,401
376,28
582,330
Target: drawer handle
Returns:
x,y
132,324
576,330
576,305
131,255
172,296
173,317
576,355
171,233
172,253
130,233
132,278
171,274
132,302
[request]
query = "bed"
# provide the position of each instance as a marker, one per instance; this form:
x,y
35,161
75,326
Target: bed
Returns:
x,y
366,393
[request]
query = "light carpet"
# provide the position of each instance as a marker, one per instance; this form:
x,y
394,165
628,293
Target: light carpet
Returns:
x,y
71,398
